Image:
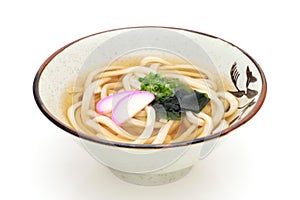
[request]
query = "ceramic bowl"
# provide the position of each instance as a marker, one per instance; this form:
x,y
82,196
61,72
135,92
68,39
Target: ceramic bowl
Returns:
x,y
150,164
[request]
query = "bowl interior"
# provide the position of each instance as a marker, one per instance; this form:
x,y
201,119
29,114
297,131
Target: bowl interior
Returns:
x,y
69,64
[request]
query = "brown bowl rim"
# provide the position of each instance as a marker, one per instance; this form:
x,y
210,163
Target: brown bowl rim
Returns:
x,y
80,135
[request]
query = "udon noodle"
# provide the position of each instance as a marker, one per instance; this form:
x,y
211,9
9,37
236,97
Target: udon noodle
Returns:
x,y
145,127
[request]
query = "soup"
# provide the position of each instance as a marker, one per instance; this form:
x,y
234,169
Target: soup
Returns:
x,y
150,100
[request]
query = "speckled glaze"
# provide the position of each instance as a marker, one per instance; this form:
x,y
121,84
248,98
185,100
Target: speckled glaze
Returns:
x,y
151,179
149,164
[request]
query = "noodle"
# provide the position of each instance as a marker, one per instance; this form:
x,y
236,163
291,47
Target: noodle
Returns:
x,y
161,136
145,127
149,126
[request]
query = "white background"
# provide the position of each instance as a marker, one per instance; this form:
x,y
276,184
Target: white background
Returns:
x,y
259,161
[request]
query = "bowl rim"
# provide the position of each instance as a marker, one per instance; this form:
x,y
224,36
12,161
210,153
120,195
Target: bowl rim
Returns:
x,y
84,136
